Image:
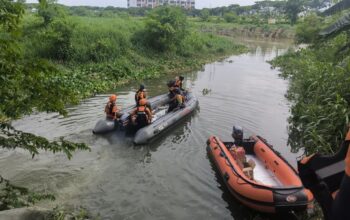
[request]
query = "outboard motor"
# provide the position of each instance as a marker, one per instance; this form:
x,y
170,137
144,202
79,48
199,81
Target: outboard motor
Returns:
x,y
237,135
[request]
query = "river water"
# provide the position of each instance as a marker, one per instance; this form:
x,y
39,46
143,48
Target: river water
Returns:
x,y
172,177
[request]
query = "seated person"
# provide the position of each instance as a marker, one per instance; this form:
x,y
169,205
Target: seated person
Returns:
x,y
179,82
111,109
171,87
237,135
141,116
247,167
177,102
140,94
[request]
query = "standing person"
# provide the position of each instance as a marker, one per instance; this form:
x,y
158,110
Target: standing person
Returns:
x,y
140,94
141,116
111,109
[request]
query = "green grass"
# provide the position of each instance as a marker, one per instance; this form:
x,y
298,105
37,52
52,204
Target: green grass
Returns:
x,y
103,53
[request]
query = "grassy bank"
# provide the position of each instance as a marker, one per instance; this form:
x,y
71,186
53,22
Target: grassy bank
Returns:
x,y
99,54
319,91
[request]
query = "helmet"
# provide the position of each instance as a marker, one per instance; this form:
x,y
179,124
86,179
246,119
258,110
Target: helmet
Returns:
x,y
113,98
143,102
237,132
142,87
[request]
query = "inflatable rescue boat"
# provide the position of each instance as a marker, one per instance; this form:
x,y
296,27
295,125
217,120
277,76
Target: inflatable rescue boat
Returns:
x,y
164,120
273,186
106,125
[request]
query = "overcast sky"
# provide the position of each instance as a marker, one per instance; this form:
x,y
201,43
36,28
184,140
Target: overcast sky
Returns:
x,y
122,3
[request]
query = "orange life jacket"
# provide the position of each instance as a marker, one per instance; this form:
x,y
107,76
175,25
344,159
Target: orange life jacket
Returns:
x,y
111,110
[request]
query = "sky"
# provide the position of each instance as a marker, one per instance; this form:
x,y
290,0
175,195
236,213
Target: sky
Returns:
x,y
122,3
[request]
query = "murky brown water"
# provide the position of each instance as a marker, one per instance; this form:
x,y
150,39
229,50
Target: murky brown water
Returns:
x,y
171,178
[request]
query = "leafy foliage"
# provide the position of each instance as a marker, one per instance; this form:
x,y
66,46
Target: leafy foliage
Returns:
x,y
320,95
230,17
49,10
166,27
11,138
26,84
205,15
307,31
293,8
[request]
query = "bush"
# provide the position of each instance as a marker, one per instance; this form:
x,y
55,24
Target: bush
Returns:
x,y
204,15
54,41
319,94
166,28
307,31
230,17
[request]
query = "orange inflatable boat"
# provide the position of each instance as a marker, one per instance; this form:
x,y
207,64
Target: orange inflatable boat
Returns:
x,y
264,181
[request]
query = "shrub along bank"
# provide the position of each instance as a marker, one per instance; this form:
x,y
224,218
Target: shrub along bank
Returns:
x,y
97,54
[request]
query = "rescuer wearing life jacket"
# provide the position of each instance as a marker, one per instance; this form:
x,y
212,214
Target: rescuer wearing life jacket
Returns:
x,y
111,108
179,82
178,100
141,115
140,94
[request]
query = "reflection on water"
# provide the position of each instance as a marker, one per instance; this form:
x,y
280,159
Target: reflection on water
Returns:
x,y
171,178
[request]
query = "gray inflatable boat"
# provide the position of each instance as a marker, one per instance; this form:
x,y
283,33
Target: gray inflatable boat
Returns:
x,y
106,125
160,124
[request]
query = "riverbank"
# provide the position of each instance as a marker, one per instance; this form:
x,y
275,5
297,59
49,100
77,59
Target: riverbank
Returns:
x,y
99,54
267,31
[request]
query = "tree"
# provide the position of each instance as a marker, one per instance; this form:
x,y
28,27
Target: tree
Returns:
x,y
166,28
26,84
230,17
205,15
48,10
307,31
292,9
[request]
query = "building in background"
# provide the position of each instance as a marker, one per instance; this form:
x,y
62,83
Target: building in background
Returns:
x,y
188,4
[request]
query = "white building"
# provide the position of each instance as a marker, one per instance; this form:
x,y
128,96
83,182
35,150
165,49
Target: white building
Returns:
x,y
188,4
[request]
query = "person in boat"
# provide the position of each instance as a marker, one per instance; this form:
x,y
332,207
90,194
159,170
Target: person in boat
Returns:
x,y
178,101
171,87
239,154
140,94
141,116
111,109
179,82
237,135
247,166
